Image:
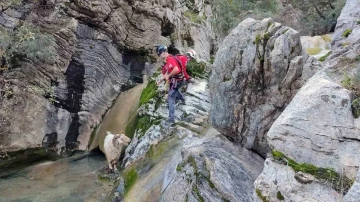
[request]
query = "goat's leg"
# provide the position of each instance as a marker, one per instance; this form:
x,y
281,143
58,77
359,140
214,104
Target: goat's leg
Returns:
x,y
110,164
114,165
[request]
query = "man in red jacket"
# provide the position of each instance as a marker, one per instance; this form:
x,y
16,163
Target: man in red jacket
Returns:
x,y
172,73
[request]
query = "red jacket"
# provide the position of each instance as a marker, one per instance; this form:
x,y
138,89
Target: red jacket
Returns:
x,y
171,63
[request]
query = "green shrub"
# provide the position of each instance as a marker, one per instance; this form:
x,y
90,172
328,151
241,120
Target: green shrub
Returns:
x,y
323,58
339,183
347,32
149,92
355,106
352,83
280,196
26,43
319,16
196,69
263,198
145,122
130,178
228,13
193,16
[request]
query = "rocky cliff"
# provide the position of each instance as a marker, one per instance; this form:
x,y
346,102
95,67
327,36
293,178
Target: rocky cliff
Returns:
x,y
257,70
315,140
101,48
190,162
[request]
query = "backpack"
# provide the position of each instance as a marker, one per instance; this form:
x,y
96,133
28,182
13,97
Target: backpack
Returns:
x,y
182,65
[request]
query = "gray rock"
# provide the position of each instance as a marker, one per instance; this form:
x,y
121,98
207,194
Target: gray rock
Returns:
x,y
277,178
354,192
214,169
100,49
191,119
329,138
257,70
318,127
348,19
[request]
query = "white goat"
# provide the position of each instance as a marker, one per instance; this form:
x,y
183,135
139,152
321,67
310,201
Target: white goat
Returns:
x,y
113,146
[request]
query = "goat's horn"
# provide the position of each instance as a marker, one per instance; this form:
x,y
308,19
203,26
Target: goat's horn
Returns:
x,y
114,139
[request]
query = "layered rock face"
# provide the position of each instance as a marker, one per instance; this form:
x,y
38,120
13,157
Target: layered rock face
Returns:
x,y
190,162
101,48
315,141
257,70
214,169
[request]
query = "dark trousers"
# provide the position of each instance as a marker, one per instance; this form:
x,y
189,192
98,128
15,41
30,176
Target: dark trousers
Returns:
x,y
173,96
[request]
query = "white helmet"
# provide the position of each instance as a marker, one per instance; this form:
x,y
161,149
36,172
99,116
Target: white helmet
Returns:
x,y
191,53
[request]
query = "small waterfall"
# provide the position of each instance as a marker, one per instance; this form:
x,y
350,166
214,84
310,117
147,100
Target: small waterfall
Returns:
x,y
118,116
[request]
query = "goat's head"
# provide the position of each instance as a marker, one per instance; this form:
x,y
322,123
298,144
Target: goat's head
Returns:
x,y
120,139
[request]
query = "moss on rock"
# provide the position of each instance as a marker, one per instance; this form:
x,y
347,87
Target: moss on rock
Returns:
x,y
279,196
323,58
144,122
130,177
339,183
263,198
347,32
313,51
149,92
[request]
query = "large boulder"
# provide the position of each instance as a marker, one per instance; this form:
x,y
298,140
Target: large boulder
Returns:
x,y
315,141
213,169
257,70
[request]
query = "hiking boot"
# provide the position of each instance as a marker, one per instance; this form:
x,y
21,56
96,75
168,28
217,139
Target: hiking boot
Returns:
x,y
171,123
180,102
168,123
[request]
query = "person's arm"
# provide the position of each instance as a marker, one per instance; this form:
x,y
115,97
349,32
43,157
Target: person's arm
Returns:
x,y
174,72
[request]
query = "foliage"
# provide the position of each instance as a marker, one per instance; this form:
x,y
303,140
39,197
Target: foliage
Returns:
x,y
212,59
347,32
196,69
145,122
130,177
149,92
352,83
48,92
323,58
263,198
319,16
339,183
280,196
25,43
356,107
228,13
193,16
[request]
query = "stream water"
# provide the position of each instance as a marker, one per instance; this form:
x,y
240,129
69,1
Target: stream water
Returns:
x,y
70,179
74,178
